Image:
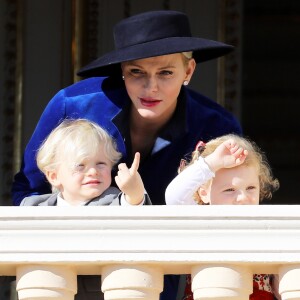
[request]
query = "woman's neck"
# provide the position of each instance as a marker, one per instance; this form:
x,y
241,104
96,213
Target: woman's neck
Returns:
x,y
143,138
143,134
150,125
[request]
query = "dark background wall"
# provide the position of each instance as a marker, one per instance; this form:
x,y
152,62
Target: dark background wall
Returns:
x,y
271,88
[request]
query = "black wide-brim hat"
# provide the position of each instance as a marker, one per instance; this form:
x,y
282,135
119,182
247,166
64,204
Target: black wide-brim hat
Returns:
x,y
150,34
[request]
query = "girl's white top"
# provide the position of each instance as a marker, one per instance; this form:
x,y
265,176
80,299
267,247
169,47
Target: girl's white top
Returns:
x,y
182,188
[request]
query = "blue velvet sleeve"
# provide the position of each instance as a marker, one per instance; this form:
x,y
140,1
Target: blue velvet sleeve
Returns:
x,y
94,99
30,180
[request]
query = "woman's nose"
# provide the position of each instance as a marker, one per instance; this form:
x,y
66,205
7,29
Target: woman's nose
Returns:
x,y
151,83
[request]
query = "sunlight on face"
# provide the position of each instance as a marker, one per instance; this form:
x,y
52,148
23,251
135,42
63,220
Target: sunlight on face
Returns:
x,y
88,178
153,84
237,186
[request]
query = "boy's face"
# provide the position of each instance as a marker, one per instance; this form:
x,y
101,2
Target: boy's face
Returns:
x,y
234,186
87,180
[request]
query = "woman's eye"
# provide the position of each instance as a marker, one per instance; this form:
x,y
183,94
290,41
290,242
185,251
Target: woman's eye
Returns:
x,y
166,73
229,190
136,71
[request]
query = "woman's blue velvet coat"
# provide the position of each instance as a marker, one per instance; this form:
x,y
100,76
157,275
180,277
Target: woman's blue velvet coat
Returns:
x,y
105,101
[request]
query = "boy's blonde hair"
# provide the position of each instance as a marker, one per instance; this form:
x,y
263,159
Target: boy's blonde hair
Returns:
x,y
255,158
75,140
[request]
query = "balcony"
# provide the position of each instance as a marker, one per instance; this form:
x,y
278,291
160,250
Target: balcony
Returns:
x,y
133,247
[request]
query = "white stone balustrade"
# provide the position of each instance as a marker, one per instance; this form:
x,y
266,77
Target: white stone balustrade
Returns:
x,y
133,247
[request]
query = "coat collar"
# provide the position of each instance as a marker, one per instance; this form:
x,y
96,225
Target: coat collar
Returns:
x,y
174,129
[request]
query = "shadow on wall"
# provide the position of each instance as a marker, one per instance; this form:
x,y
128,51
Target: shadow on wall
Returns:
x,y
8,288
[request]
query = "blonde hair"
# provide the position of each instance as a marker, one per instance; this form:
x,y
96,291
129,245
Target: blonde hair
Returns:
x,y
255,158
187,56
75,140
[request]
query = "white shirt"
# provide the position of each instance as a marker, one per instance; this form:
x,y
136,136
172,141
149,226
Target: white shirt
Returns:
x,y
181,189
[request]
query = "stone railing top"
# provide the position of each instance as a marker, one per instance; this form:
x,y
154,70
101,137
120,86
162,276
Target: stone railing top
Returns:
x,y
175,237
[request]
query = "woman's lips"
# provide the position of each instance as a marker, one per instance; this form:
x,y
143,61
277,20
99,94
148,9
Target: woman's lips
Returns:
x,y
149,102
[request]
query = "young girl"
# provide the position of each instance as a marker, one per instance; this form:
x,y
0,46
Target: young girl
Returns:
x,y
227,170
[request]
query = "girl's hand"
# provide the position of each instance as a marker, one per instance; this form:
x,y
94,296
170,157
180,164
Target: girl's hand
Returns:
x,y
227,155
130,182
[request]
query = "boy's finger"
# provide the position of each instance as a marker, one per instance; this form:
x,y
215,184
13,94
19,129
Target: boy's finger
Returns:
x,y
136,162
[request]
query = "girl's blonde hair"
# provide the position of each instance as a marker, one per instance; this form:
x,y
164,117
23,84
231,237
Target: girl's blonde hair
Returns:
x,y
255,158
75,140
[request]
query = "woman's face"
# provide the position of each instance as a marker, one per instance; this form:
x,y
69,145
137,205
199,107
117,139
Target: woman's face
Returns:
x,y
153,84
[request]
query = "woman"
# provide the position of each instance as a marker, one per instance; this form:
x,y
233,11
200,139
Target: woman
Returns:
x,y
143,102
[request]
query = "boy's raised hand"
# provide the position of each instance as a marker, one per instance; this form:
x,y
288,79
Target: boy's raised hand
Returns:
x,y
130,182
227,155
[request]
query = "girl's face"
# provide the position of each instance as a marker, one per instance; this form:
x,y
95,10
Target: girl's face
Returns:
x,y
153,84
237,186
85,181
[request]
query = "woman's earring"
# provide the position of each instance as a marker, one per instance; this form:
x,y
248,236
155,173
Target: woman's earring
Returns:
x,y
186,82
123,77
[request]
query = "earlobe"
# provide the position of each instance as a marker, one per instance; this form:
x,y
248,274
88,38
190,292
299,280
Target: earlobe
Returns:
x,y
190,69
52,178
203,195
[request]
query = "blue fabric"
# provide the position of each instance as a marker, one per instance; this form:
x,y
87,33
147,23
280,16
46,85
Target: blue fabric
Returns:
x,y
105,101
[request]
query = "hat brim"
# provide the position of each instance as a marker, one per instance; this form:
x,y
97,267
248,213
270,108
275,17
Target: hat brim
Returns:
x,y
108,64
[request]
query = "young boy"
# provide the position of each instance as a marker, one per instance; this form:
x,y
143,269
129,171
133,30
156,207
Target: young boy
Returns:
x,y
77,158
